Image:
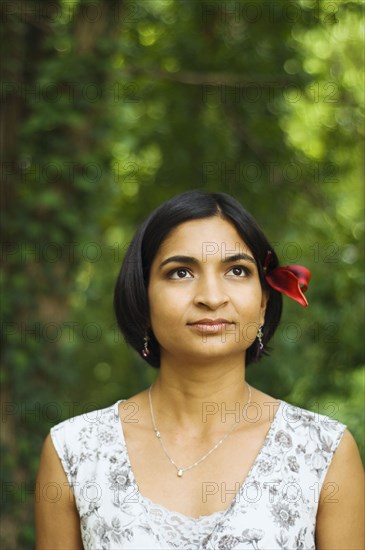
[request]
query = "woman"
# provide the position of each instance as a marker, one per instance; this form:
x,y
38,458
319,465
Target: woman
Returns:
x,y
201,460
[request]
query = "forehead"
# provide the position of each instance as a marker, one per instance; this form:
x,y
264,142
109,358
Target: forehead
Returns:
x,y
210,236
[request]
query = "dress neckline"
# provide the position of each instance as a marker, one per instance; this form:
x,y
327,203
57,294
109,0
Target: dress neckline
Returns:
x,y
147,502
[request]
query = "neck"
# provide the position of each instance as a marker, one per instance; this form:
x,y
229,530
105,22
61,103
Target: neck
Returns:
x,y
199,399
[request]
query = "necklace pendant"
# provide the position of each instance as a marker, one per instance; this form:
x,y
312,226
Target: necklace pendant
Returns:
x,y
180,473
157,433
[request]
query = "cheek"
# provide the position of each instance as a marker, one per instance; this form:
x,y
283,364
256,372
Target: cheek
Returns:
x,y
251,299
169,311
165,307
165,324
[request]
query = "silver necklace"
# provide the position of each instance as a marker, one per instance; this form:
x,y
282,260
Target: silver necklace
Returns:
x,y
179,470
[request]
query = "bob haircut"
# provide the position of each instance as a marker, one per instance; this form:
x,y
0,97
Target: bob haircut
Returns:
x,y
130,296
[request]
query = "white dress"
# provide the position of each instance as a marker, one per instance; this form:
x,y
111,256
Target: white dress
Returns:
x,y
275,507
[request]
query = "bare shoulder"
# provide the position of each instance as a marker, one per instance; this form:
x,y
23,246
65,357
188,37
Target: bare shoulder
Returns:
x,y
347,450
341,506
50,464
346,468
267,404
133,409
50,472
57,519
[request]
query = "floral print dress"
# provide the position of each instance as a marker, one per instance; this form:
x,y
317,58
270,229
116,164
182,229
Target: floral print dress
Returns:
x,y
275,507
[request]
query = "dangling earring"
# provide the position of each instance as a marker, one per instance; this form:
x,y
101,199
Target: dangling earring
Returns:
x,y
146,352
259,337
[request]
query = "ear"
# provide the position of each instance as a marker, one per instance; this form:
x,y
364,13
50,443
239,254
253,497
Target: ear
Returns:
x,y
264,299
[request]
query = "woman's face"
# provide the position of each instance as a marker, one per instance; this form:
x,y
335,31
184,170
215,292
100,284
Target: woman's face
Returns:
x,y
204,292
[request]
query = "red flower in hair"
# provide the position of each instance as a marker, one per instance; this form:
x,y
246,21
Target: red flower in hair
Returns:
x,y
291,280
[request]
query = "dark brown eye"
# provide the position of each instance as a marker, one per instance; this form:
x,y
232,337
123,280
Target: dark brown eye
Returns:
x,y
239,271
180,273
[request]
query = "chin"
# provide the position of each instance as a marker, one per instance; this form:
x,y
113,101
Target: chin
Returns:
x,y
219,350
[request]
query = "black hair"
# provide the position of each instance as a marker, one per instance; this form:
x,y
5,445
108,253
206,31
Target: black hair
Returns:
x,y
130,296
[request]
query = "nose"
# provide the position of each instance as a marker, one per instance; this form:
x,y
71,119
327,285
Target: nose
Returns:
x,y
210,292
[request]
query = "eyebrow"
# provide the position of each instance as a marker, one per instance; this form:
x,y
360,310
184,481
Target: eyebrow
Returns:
x,y
194,261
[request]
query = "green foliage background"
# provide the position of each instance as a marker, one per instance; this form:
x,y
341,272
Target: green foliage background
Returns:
x,y
111,107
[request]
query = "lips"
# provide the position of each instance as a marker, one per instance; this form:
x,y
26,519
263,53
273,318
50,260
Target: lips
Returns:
x,y
211,322
210,325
